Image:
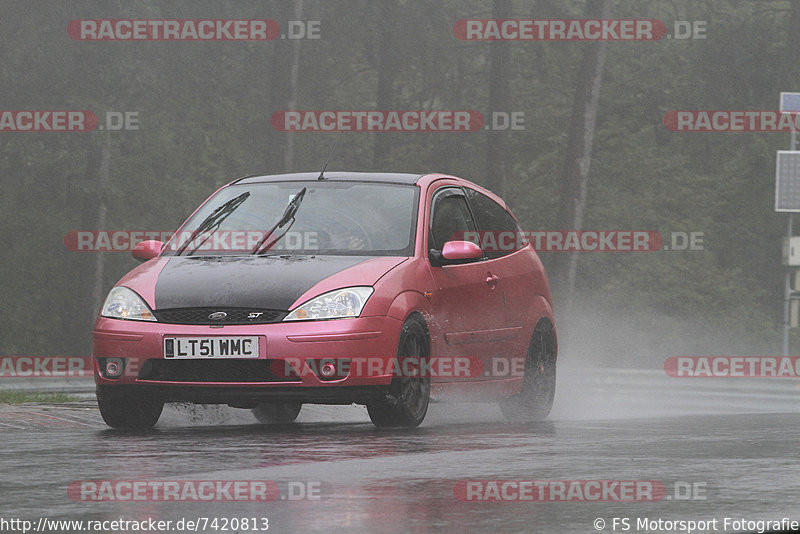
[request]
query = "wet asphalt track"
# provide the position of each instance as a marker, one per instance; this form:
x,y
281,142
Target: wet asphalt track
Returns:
x,y
737,442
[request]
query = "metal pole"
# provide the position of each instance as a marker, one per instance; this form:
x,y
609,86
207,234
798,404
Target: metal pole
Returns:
x,y
787,295
787,286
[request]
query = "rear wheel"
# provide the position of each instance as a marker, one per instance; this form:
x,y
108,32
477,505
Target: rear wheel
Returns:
x,y
127,410
535,400
277,412
406,403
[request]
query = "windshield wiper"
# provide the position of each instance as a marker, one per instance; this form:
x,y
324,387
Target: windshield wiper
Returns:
x,y
288,215
213,221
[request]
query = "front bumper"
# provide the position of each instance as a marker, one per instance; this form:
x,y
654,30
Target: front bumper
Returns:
x,y
287,368
250,397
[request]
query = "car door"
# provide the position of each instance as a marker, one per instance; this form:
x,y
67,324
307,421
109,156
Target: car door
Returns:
x,y
468,309
501,239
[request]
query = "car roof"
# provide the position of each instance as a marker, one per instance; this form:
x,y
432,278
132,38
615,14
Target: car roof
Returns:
x,y
393,178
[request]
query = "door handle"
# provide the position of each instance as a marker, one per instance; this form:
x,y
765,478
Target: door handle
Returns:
x,y
492,279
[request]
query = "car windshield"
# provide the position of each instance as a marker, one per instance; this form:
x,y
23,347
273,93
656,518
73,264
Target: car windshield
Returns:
x,y
333,218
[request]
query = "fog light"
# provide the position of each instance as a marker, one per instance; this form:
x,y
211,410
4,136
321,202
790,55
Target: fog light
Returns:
x,y
113,367
327,370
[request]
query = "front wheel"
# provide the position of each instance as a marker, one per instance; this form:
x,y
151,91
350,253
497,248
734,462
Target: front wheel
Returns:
x,y
535,400
406,403
277,412
128,410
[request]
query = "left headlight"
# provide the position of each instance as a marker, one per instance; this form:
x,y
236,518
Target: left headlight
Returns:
x,y
339,304
124,303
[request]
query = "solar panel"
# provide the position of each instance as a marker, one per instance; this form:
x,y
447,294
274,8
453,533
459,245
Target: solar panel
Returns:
x,y
790,102
787,181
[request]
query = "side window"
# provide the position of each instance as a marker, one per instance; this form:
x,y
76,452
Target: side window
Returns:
x,y
450,218
500,233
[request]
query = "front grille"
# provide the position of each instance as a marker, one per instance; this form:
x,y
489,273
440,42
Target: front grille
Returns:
x,y
232,316
229,370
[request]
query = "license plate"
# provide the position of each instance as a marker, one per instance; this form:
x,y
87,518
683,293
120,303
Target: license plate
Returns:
x,y
210,347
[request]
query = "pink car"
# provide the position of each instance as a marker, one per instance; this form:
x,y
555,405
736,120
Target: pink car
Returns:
x,y
387,290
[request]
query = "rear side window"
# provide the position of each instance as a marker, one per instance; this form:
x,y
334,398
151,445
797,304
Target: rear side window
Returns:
x,y
499,232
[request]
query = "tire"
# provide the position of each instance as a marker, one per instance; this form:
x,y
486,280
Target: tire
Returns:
x,y
277,412
535,400
407,400
128,410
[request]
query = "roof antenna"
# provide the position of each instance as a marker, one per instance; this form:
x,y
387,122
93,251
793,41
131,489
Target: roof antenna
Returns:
x,y
322,174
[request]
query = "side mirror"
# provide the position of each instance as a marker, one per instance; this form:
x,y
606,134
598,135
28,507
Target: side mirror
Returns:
x,y
461,250
147,250
455,252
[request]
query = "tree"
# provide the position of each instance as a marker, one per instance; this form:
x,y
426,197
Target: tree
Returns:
x,y
588,83
497,143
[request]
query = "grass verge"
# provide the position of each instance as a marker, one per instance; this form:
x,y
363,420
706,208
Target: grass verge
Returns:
x,y
21,397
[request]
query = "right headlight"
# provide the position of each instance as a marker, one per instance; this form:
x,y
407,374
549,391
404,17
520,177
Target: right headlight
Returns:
x,y
124,303
338,304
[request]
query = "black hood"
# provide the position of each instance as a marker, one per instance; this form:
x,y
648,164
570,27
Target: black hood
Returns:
x,y
244,281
